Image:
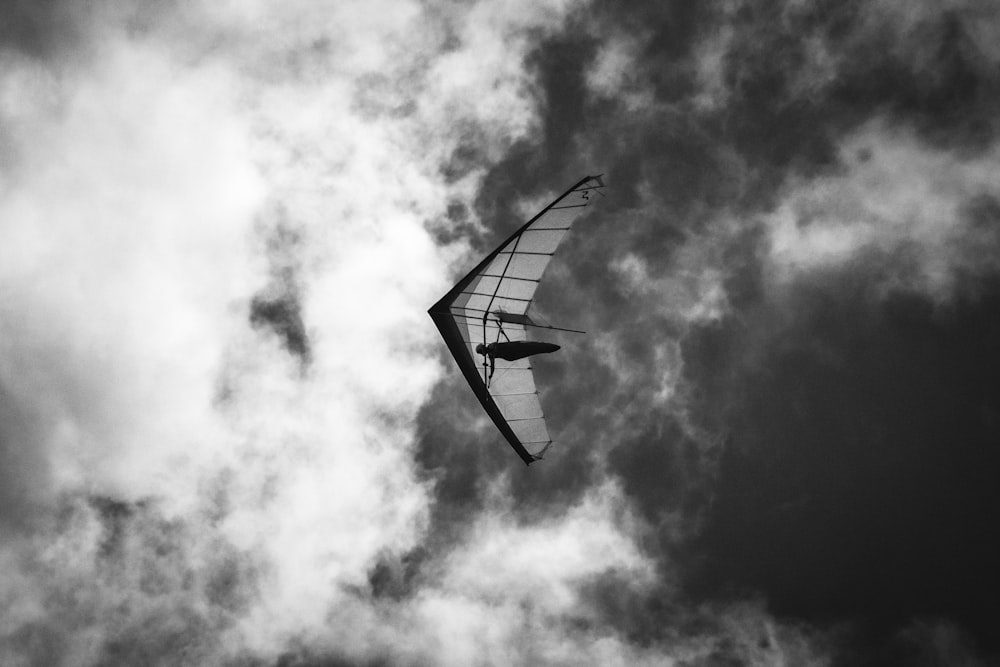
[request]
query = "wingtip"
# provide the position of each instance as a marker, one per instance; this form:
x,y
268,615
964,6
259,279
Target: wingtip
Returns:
x,y
540,455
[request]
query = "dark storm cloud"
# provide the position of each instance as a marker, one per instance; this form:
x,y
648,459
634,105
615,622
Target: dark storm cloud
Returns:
x,y
791,79
939,79
900,524
859,482
854,416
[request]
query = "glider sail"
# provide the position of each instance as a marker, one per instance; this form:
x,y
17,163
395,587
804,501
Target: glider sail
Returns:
x,y
493,304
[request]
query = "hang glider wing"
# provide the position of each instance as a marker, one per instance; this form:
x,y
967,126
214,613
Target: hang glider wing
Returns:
x,y
492,304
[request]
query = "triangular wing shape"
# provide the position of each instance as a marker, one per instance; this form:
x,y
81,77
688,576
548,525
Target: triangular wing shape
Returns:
x,y
499,292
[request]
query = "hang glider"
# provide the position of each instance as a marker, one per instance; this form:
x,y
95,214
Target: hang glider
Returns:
x,y
490,309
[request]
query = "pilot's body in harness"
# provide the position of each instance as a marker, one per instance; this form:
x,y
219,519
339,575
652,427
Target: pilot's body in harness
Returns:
x,y
513,350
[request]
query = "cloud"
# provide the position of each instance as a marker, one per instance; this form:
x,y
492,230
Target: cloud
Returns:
x,y
196,494
925,213
116,217
510,593
801,213
229,432
852,398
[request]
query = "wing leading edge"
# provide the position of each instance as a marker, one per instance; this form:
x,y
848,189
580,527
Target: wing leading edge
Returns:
x,y
498,292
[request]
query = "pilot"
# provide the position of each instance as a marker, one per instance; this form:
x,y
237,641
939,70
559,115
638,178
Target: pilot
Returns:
x,y
513,350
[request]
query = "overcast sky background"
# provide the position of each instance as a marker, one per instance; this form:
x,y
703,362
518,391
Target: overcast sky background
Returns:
x,y
230,434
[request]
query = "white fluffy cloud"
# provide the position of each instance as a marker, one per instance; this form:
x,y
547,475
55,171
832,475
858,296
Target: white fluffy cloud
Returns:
x,y
124,261
920,209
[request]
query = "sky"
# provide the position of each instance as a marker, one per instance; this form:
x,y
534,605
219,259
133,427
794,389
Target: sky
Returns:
x,y
231,435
